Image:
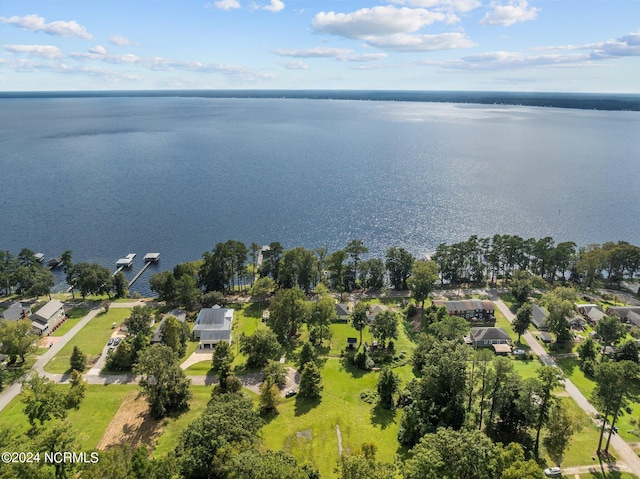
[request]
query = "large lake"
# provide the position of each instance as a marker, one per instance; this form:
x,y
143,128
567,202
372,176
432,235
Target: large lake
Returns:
x,y
109,176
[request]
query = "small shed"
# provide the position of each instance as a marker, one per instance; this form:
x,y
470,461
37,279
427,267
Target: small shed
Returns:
x,y
546,337
351,342
502,349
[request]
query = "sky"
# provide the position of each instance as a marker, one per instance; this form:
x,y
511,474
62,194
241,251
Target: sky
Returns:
x,y
486,45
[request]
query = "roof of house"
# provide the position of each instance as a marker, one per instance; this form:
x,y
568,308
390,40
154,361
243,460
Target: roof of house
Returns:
x,y
212,319
489,334
539,316
634,318
216,335
465,305
49,309
375,310
501,348
595,314
623,311
16,311
342,309
546,336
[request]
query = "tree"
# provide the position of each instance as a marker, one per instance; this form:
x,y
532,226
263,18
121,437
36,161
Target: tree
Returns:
x,y
448,453
59,438
42,400
187,292
521,286
372,273
362,464
277,372
610,330
307,354
355,248
399,263
165,285
338,271
76,392
587,355
253,464
310,382
262,288
550,378
359,318
523,319
269,396
561,305
319,316
171,330
385,326
120,285
425,274
78,360
287,310
43,283
438,398
90,278
628,352
228,422
452,328
163,382
16,338
561,427
221,361
388,384
261,346
122,357
614,383
139,321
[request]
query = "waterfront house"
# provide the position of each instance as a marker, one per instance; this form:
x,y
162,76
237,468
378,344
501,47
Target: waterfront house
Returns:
x,y
539,317
213,325
473,310
487,337
48,318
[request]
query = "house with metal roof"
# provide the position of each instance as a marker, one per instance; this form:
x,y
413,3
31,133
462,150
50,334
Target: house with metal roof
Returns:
x,y
213,325
539,317
591,312
48,318
343,311
488,336
375,310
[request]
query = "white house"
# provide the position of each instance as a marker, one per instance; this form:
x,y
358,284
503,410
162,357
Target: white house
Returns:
x,y
47,318
213,325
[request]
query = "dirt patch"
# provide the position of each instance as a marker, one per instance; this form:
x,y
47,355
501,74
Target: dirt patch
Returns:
x,y
48,341
132,424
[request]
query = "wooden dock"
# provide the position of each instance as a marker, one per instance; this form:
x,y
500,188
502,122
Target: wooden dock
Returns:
x,y
148,259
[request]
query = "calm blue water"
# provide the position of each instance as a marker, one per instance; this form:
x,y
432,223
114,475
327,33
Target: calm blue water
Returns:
x,y
109,176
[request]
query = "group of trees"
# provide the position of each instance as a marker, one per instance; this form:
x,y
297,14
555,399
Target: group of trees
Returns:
x,y
24,275
479,259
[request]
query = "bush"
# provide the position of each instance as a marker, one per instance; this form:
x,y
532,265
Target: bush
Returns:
x,y
411,310
362,360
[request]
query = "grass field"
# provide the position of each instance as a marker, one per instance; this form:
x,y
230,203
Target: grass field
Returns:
x,y
73,316
91,339
89,421
307,430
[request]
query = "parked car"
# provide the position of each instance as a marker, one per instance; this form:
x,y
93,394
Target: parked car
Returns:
x,y
518,352
117,341
290,393
110,342
552,471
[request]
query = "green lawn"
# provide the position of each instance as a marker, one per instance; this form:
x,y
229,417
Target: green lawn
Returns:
x,y
202,368
307,430
91,339
74,315
89,421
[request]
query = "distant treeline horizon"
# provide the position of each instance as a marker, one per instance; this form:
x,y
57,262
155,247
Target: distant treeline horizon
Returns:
x,y
583,101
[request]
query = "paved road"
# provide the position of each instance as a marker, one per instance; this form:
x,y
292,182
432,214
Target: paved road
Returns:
x,y
625,452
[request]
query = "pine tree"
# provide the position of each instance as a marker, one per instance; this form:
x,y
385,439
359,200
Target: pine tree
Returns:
x,y
310,382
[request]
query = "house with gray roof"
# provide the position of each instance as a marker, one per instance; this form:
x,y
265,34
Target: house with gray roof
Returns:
x,y
473,310
213,325
539,317
591,312
628,314
16,311
343,311
487,337
375,310
48,318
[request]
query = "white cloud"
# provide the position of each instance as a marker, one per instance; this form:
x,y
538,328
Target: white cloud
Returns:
x,y
224,4
317,52
421,43
626,46
98,49
375,21
296,65
363,58
59,28
119,40
442,5
45,51
513,12
275,6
